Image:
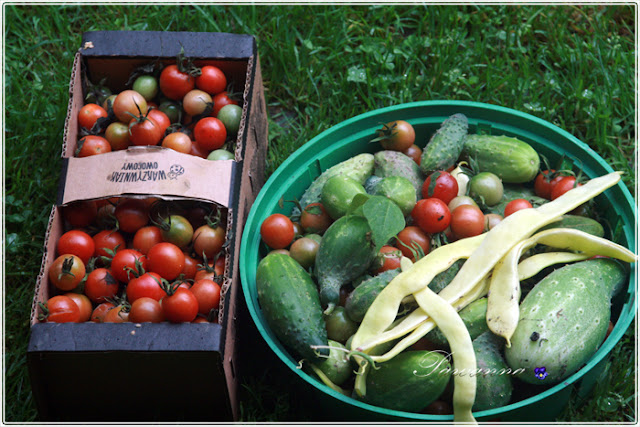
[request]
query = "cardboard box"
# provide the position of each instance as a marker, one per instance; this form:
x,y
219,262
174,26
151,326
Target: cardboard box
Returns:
x,y
150,372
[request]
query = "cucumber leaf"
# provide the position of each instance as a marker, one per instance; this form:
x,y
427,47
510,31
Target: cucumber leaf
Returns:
x,y
385,219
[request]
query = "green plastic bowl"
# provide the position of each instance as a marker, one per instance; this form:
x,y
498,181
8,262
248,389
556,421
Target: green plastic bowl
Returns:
x,y
352,137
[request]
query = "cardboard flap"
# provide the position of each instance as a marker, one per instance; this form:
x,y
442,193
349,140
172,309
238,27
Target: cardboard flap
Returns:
x,y
148,170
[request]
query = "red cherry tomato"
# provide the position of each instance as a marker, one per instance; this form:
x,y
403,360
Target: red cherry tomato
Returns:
x,y
161,119
76,242
562,186
315,219
84,305
146,237
118,314
220,100
127,104
467,221
516,205
414,152
397,135
145,309
100,285
62,309
174,83
107,241
431,215
147,285
210,133
211,80
101,311
441,185
207,292
132,215
166,259
89,115
181,306
66,272
389,258
91,145
127,263
277,231
411,236
81,213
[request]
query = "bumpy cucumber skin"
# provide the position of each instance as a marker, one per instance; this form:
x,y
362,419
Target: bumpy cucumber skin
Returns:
x,y
408,382
494,385
359,167
474,317
564,319
346,252
361,298
444,147
290,303
512,160
394,163
442,280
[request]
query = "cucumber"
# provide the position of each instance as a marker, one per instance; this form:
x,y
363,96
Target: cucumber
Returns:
x,y
442,280
494,385
444,147
361,298
394,163
513,160
564,319
408,382
289,301
582,223
399,190
346,252
338,193
358,167
474,317
337,366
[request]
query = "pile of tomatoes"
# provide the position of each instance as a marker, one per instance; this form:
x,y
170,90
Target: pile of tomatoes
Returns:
x,y
181,107
137,260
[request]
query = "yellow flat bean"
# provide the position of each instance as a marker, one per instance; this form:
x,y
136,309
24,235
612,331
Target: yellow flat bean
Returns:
x,y
533,265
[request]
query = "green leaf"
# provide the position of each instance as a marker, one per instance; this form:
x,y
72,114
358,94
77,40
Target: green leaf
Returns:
x,y
385,219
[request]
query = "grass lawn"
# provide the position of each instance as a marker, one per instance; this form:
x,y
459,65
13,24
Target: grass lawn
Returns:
x,y
572,66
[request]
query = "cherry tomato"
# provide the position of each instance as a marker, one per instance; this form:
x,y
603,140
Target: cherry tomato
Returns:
x,y
118,314
174,83
147,285
516,205
190,267
562,186
196,101
414,152
315,219
76,242
108,241
230,115
84,305
543,183
431,215
210,133
177,229
441,185
92,145
220,100
146,237
145,309
467,221
89,115
126,263
389,258
144,131
100,285
166,259
117,134
411,236
178,141
81,213
207,292
304,251
211,80
197,150
160,118
172,110
487,188
397,135
66,272
132,215
147,86
208,240
61,309
181,306
128,104
213,271
277,231
101,311
460,200
491,220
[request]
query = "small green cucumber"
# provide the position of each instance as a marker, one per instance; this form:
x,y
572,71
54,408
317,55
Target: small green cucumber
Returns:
x,y
511,159
408,382
290,303
582,223
494,385
361,298
399,190
442,280
474,317
564,319
394,163
444,147
338,193
358,167
337,366
346,252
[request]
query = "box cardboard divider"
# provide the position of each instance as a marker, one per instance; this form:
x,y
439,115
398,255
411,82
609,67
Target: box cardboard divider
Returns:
x,y
152,371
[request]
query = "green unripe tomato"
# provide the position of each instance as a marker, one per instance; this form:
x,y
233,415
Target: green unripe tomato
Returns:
x,y
304,251
172,110
147,86
487,188
220,154
230,115
338,193
339,326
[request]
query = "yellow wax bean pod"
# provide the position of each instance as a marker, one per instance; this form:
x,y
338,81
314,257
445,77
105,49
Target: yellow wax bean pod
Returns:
x,y
464,357
533,265
504,297
427,324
